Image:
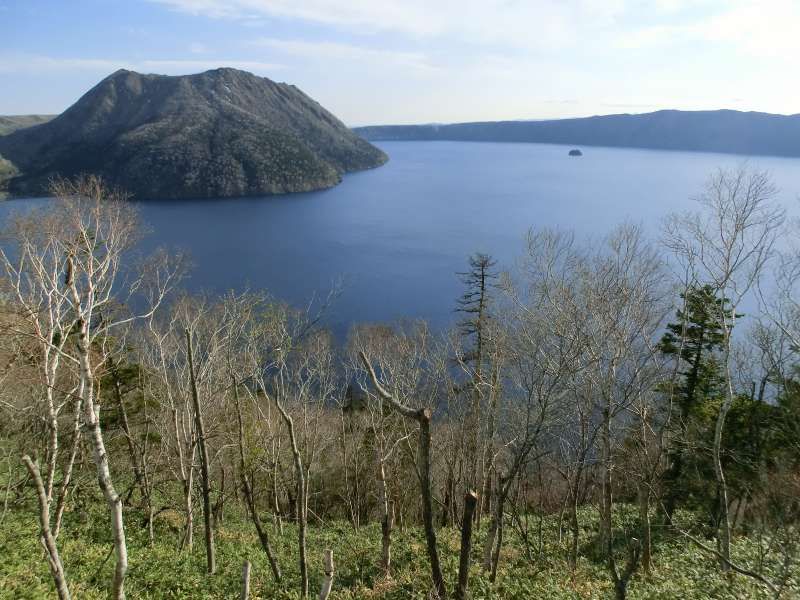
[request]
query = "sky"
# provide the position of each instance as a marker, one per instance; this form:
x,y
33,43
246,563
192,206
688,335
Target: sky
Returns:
x,y
421,61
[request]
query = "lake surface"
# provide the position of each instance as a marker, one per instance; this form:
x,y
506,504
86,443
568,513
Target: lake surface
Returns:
x,y
396,236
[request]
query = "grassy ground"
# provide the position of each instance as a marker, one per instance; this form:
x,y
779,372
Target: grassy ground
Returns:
x,y
160,571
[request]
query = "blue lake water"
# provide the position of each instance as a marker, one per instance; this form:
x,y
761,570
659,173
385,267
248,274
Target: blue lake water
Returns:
x,y
396,236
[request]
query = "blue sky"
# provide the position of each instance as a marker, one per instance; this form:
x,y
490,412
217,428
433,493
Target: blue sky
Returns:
x,y
412,61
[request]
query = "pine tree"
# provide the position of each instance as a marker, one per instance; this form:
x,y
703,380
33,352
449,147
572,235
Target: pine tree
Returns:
x,y
475,303
477,356
694,339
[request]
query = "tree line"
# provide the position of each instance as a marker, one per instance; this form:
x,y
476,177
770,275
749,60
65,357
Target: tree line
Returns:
x,y
655,372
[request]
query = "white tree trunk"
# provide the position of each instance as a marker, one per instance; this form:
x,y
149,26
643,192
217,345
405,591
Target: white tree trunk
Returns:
x,y
95,433
386,516
722,484
327,582
48,539
61,502
187,479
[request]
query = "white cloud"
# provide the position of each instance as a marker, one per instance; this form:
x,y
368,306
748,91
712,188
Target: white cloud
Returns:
x,y
347,52
653,36
33,64
444,60
545,23
758,27
764,28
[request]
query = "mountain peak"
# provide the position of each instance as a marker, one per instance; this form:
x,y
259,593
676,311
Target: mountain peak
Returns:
x,y
228,71
223,132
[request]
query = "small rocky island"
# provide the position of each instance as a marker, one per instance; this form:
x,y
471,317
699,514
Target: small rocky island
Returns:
x,y
216,134
575,152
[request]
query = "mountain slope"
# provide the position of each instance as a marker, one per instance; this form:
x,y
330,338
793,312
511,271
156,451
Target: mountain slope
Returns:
x,y
9,123
220,133
728,131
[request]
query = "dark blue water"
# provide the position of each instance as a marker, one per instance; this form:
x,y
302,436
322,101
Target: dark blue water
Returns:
x,y
396,236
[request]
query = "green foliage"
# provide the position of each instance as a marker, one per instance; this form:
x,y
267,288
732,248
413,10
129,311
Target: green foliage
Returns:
x,y
748,445
695,340
160,571
787,435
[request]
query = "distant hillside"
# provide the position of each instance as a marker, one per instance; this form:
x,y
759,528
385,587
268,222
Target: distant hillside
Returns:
x,y
7,170
728,131
11,123
215,134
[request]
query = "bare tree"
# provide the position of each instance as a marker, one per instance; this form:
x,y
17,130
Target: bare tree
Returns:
x,y
48,539
37,276
545,364
249,494
625,296
588,335
477,353
205,477
727,246
162,352
296,374
396,354
423,418
74,265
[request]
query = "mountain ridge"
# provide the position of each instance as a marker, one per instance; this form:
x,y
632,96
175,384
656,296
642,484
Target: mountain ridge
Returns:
x,y
725,131
220,133
10,123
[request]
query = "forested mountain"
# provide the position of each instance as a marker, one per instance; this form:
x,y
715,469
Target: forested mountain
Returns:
x,y
215,134
729,131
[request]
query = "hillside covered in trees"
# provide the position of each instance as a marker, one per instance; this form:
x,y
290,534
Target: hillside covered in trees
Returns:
x,y
9,124
727,131
606,421
216,134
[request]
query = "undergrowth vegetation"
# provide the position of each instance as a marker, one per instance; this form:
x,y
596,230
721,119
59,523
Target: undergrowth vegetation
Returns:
x,y
159,571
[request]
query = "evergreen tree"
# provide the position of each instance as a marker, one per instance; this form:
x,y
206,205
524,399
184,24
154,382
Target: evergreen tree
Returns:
x,y
475,303
475,330
695,340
